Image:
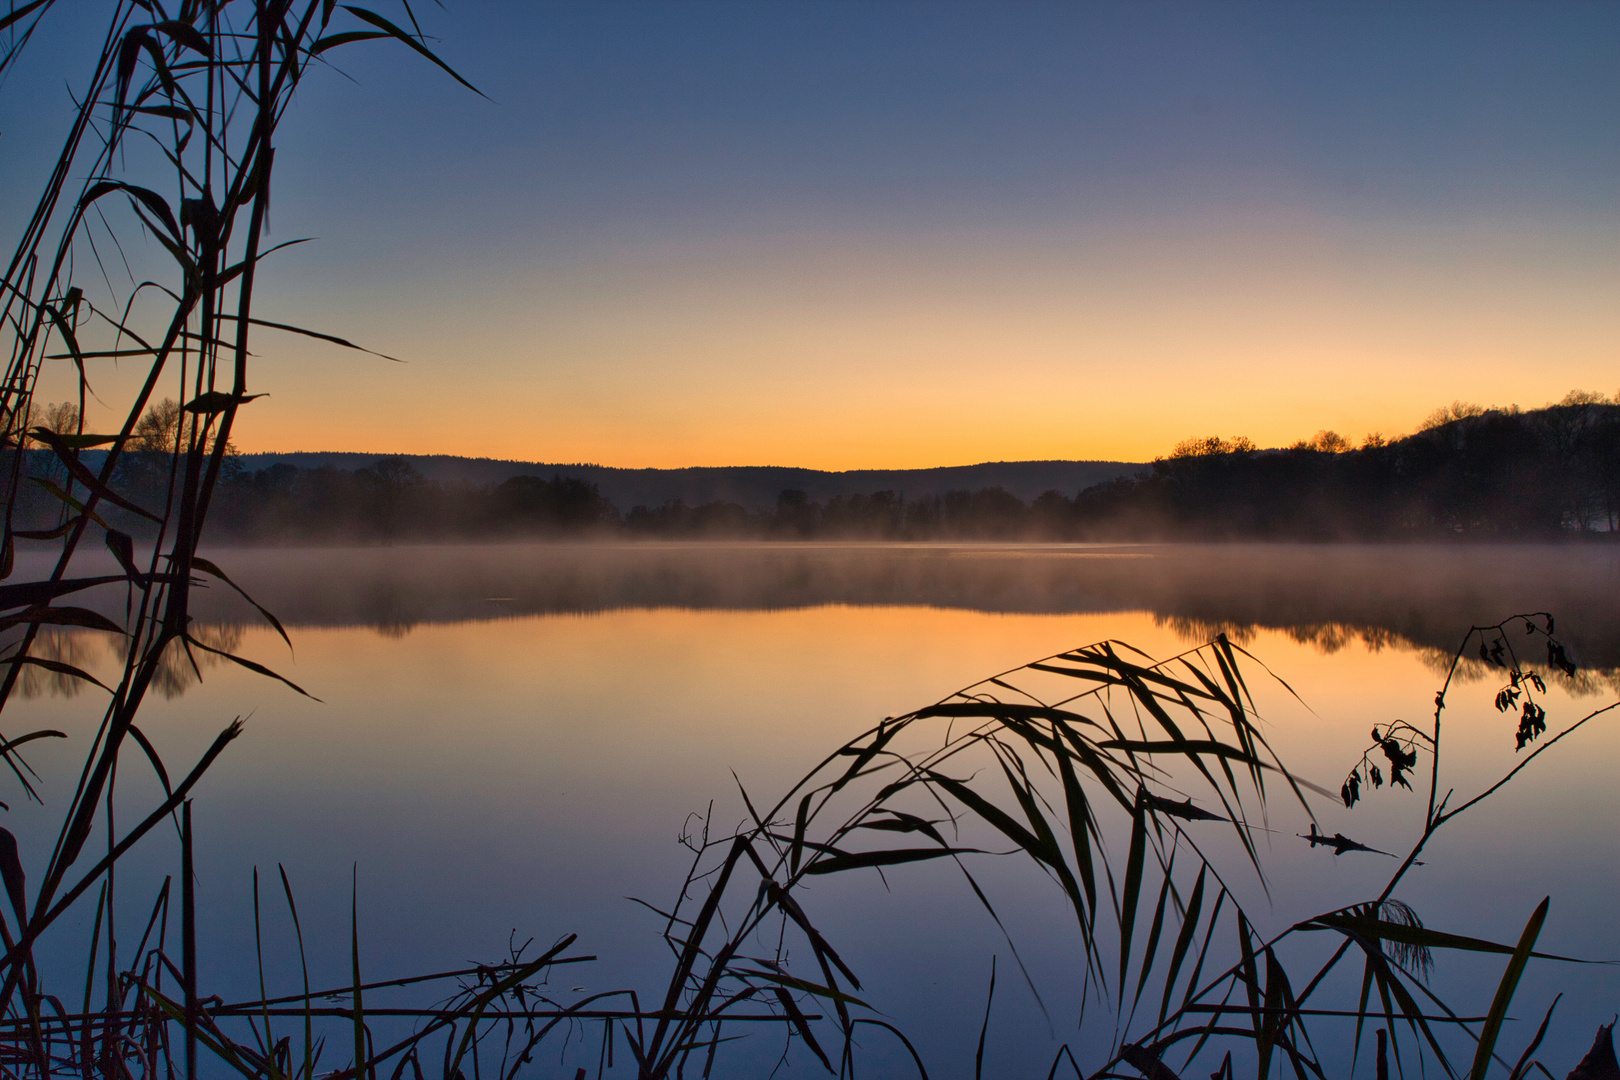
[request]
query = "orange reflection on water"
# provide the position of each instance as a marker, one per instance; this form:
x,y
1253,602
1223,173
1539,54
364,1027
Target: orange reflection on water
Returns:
x,y
534,771
671,695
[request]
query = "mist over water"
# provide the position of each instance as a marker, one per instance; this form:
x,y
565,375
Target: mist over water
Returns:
x,y
1424,594
1414,595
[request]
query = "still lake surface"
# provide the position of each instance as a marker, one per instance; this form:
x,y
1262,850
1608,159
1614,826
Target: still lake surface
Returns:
x,y
511,738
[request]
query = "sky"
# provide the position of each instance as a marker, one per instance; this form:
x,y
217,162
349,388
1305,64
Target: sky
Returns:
x,y
903,234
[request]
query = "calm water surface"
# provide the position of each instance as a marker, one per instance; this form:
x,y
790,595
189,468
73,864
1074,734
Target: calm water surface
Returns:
x,y
511,739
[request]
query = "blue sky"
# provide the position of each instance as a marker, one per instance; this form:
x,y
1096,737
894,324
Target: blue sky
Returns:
x,y
892,234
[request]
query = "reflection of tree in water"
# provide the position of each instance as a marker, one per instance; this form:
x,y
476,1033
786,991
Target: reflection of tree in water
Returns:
x,y
1332,637
1326,637
1189,628
182,668
84,649
1586,682
385,608
103,654
395,629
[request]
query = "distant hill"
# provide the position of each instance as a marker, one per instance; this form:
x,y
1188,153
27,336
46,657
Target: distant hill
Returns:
x,y
752,486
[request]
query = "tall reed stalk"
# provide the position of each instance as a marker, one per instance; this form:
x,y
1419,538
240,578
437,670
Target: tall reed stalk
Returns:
x,y
168,164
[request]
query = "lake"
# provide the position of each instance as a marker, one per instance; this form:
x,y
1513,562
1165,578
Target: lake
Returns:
x,y
511,739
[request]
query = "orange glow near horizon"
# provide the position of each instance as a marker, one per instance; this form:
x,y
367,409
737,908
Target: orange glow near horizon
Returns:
x,y
915,351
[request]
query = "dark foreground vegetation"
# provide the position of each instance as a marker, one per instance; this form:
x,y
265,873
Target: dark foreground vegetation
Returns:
x,y
1478,473
100,975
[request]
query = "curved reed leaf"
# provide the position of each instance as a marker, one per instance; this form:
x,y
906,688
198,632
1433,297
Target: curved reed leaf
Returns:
x,y
57,667
62,616
859,860
395,32
1505,989
251,665
207,567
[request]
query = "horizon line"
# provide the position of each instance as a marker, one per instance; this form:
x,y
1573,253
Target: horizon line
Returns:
x,y
685,468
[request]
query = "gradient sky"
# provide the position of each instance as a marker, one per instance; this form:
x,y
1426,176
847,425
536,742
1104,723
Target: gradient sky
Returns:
x,y
898,234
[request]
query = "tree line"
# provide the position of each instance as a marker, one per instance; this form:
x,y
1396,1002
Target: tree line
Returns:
x,y
1469,471
1499,473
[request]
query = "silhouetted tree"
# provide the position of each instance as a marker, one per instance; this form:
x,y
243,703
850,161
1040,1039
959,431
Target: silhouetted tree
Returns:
x,y
156,431
386,486
1052,516
796,514
563,503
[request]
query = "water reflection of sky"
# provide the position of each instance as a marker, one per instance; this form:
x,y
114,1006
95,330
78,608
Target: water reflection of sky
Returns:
x,y
530,771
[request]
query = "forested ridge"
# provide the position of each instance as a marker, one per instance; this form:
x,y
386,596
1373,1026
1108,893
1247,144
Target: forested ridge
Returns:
x,y
1469,472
